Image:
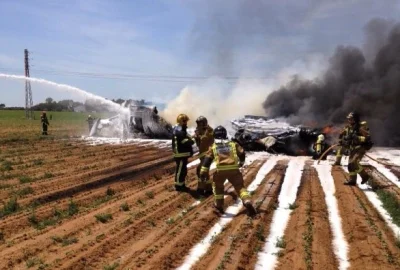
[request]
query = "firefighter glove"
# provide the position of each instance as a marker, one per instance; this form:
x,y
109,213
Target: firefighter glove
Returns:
x,y
204,176
355,139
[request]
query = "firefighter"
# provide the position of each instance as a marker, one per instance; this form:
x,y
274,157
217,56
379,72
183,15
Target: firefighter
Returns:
x,y
182,149
229,156
45,123
204,138
319,147
355,138
90,121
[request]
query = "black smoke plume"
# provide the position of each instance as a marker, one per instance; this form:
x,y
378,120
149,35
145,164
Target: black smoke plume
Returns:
x,y
367,81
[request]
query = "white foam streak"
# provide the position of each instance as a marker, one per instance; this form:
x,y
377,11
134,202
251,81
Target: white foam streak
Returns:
x,y
340,245
267,258
201,248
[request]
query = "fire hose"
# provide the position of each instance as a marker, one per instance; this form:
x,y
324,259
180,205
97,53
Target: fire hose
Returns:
x,y
326,151
368,156
381,162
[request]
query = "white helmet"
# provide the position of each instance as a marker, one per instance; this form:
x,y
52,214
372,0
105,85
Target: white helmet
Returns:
x,y
321,137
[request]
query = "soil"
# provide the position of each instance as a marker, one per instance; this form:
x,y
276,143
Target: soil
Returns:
x,y
82,206
308,236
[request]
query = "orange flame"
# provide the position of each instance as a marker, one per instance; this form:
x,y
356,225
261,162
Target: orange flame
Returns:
x,y
331,130
301,152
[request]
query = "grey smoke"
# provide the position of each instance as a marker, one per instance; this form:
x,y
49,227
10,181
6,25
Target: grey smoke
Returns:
x,y
367,81
222,32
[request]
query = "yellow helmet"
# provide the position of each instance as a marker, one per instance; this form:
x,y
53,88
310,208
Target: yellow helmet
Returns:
x,y
182,118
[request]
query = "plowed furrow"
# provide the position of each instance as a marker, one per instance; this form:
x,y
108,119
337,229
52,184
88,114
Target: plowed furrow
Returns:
x,y
371,242
167,250
71,177
53,159
395,170
100,169
379,181
104,179
123,188
308,235
139,224
58,165
34,151
87,229
239,242
144,220
37,148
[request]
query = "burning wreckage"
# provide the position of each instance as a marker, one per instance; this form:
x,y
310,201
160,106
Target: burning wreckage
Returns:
x,y
257,133
253,133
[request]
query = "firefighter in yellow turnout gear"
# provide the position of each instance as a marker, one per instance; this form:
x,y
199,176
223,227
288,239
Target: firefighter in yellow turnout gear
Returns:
x,y
229,157
355,138
182,149
204,138
319,147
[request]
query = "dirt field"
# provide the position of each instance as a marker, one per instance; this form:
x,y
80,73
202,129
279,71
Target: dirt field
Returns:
x,y
70,205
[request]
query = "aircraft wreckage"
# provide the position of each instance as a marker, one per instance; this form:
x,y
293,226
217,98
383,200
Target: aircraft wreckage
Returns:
x,y
257,133
141,122
253,133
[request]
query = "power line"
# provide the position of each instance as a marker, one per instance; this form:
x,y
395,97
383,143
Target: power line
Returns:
x,y
161,78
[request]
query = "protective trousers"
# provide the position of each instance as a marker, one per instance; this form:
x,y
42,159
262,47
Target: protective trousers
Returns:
x,y
202,185
235,178
339,155
355,167
180,171
44,129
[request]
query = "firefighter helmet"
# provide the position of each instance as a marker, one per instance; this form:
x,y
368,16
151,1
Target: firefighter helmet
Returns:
x,y
182,119
202,120
354,115
220,133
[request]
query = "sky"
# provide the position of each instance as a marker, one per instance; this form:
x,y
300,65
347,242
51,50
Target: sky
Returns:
x,y
161,47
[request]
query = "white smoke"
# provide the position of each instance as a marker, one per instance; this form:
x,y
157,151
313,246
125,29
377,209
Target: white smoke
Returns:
x,y
221,101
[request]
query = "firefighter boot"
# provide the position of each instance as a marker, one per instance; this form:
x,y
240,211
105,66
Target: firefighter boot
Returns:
x,y
250,208
352,181
200,186
219,206
182,188
364,176
200,192
208,191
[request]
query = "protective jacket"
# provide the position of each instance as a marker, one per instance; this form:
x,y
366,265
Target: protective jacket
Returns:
x,y
356,136
181,142
320,145
228,155
204,139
